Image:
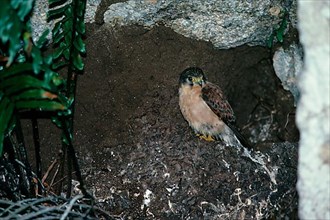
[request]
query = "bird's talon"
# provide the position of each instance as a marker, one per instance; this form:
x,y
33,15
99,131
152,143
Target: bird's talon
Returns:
x,y
205,137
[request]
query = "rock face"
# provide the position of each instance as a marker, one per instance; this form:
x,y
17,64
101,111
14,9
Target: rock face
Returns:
x,y
39,19
225,23
39,16
288,64
313,113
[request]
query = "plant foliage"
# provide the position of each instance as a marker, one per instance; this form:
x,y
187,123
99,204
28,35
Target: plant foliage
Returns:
x,y
21,89
28,85
279,32
29,80
67,35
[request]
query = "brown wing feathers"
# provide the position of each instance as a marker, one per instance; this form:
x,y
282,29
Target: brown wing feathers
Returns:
x,y
215,99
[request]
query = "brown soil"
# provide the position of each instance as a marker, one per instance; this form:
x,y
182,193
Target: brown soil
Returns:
x,y
131,137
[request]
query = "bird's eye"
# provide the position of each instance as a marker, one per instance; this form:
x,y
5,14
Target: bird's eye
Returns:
x,y
190,78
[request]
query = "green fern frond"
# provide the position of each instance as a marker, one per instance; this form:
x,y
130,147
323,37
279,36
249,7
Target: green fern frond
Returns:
x,y
28,82
21,89
13,22
68,34
279,32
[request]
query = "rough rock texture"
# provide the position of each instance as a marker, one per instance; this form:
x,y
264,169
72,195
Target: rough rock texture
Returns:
x,y
39,19
288,65
39,16
313,113
91,8
225,23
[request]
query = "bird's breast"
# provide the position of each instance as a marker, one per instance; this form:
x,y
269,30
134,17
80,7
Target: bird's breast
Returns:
x,y
197,112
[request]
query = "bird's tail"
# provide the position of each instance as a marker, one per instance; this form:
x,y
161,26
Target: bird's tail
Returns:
x,y
231,136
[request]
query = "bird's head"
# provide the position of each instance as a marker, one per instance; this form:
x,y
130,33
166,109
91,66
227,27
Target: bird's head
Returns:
x,y
192,76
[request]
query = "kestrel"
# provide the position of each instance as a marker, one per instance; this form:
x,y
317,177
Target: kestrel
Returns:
x,y
206,109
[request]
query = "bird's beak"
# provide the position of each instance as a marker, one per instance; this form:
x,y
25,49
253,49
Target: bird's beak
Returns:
x,y
198,80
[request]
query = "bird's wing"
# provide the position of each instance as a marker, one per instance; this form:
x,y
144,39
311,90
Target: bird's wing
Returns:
x,y
216,100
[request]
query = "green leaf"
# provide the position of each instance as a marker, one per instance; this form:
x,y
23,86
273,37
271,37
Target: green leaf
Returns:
x,y
68,12
48,60
58,37
25,8
57,28
56,121
35,94
56,13
270,41
281,30
79,44
41,105
57,80
5,12
49,75
14,43
68,26
16,69
22,82
59,51
66,53
81,8
11,28
77,61
37,59
42,39
21,58
80,26
68,38
279,36
65,140
15,3
67,112
59,65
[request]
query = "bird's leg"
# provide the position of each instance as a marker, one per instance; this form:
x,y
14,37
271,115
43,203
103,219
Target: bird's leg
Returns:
x,y
205,137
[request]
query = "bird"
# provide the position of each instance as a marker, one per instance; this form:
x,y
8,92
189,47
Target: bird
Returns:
x,y
207,110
